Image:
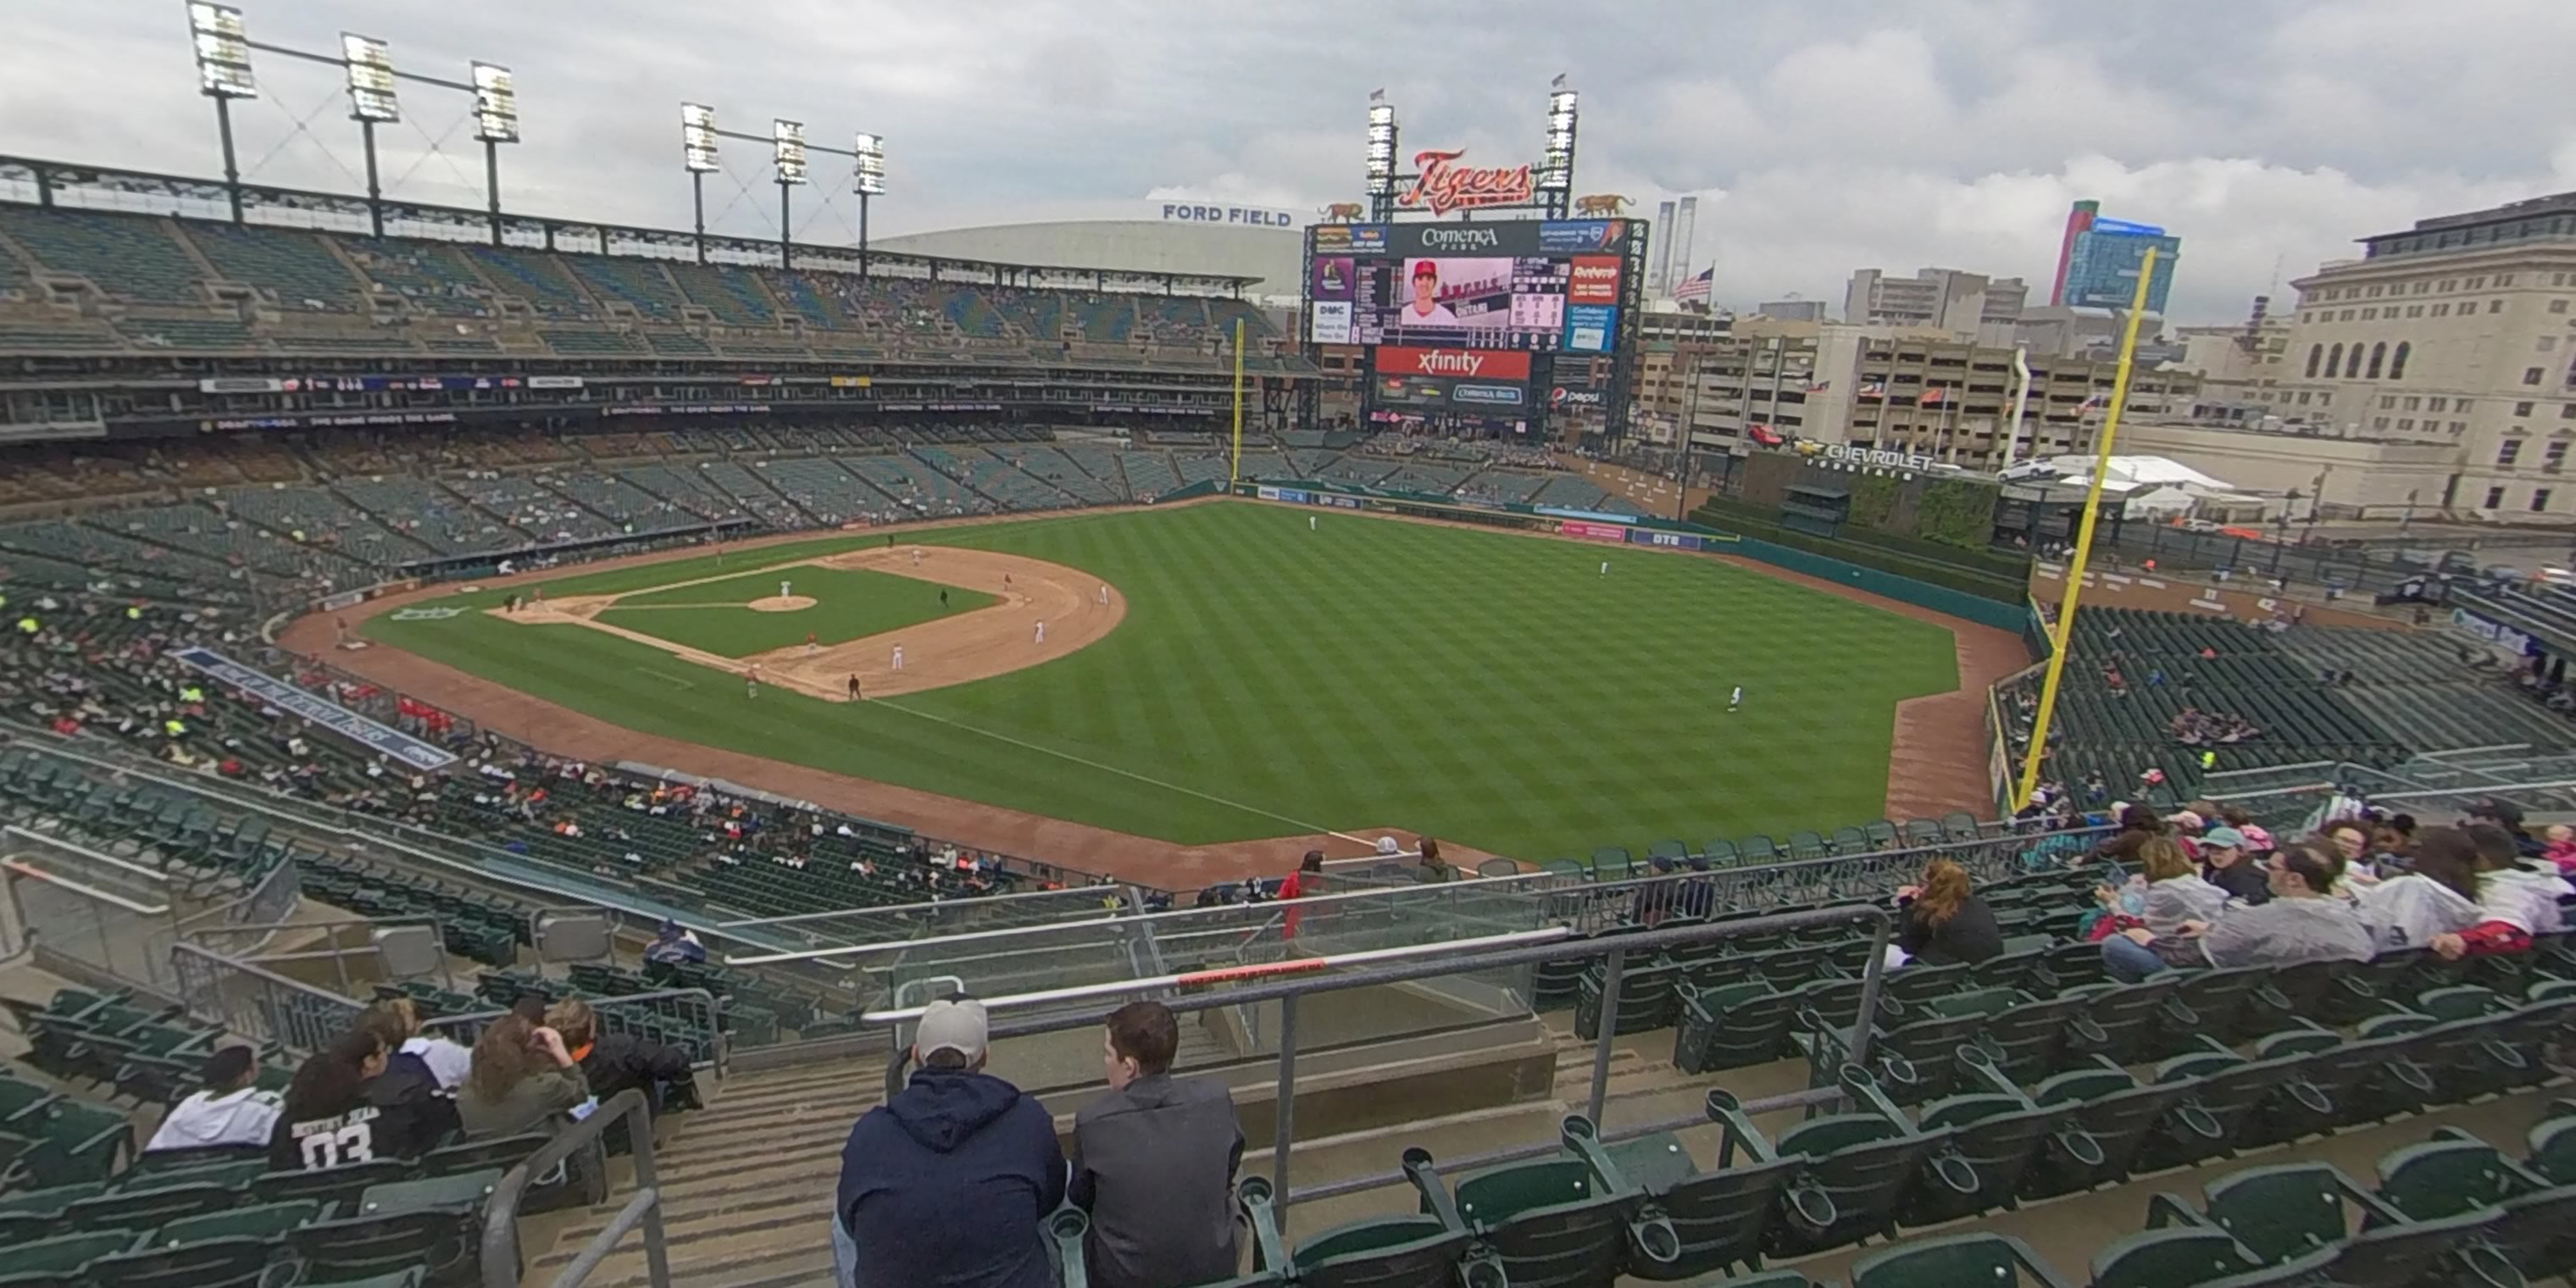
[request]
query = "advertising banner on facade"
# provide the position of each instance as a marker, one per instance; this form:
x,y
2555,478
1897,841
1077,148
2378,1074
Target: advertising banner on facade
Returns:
x,y
1582,530
315,709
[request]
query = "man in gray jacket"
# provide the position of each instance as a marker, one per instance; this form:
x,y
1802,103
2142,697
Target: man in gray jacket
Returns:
x,y
1154,1162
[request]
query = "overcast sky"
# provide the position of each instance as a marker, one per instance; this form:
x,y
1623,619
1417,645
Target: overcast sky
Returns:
x,y
1819,137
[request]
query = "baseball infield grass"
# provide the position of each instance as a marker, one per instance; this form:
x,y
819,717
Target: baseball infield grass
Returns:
x,y
849,603
1491,688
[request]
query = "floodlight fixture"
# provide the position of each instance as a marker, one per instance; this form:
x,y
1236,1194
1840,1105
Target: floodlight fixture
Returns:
x,y
1381,149
1556,163
496,104
787,149
698,138
223,51
370,63
868,177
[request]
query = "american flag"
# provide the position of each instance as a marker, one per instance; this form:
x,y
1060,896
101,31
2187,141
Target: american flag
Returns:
x,y
1819,386
1695,290
1932,395
1873,389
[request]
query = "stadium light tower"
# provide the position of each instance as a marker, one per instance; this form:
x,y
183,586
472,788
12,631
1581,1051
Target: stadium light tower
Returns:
x,y
223,74
1556,163
698,154
370,65
1381,157
787,149
867,177
496,121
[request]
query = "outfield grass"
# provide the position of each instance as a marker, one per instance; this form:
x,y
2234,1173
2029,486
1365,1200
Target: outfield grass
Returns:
x,y
1482,686
849,604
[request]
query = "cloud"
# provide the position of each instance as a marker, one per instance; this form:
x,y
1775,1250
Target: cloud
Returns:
x,y
1876,133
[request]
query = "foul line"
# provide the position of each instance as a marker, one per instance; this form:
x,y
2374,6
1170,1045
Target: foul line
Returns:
x,y
1299,823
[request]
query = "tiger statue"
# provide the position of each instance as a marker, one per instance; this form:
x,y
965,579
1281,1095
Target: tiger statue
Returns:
x,y
1603,203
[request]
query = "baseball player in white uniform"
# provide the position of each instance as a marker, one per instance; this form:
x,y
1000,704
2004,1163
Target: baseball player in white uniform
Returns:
x,y
898,657
1041,630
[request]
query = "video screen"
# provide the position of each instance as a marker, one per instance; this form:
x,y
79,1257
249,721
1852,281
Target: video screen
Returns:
x,y
1488,302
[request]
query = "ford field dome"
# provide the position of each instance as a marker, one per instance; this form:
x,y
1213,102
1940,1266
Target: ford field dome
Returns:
x,y
1230,241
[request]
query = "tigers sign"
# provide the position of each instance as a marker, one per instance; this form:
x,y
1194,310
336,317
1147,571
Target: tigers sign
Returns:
x,y
1442,185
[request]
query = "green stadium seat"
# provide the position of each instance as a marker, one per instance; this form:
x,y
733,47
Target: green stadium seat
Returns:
x,y
150,1208
1719,1220
213,1263
1721,853
1958,1261
342,1184
2185,1257
261,1221
1731,1026
2311,1214
1388,1252
62,1255
1551,1222
1990,1143
455,1191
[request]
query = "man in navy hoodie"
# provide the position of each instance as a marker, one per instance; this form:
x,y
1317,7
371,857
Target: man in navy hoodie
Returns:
x,y
948,1183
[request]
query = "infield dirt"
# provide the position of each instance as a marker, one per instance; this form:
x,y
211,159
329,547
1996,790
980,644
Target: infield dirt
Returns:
x,y
1077,609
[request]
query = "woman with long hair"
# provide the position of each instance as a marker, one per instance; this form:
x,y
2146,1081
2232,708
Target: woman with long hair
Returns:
x,y
1942,922
2175,891
410,1082
2437,895
522,1076
2514,902
325,1120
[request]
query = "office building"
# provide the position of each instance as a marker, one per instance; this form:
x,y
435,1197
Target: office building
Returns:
x,y
1792,310
2459,331
2097,261
1971,306
1897,389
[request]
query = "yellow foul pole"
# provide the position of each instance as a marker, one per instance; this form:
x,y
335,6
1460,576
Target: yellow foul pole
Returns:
x,y
2084,539
1234,473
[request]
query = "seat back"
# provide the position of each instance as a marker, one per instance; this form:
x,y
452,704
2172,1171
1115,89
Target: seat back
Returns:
x,y
1398,1252
1863,1164
1550,1224
1994,1138
2279,1213
2173,1258
214,1263
1959,1261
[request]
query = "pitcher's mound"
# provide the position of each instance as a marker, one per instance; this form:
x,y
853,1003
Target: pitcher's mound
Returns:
x,y
781,603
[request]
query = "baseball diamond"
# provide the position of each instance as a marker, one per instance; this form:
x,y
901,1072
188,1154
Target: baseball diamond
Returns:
x,y
1252,677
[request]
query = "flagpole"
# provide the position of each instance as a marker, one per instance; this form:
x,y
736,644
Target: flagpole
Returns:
x,y
1234,473
2083,542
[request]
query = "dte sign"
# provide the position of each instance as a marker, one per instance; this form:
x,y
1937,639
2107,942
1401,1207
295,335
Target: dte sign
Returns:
x,y
1240,216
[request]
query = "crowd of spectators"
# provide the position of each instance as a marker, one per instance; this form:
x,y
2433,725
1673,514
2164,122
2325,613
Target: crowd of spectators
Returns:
x,y
2206,887
387,1088
2193,727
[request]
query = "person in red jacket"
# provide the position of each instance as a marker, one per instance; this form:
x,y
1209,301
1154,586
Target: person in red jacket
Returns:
x,y
1308,879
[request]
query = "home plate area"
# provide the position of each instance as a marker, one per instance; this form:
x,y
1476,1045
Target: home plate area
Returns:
x,y
865,624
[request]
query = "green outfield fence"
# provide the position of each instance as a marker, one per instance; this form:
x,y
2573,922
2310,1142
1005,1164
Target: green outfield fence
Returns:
x,y
1969,596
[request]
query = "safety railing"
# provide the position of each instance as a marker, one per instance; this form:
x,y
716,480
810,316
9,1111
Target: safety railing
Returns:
x,y
327,941
641,1211
86,913
1596,907
1284,983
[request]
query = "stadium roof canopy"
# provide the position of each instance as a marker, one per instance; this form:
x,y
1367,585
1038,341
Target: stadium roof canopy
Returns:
x,y
2126,474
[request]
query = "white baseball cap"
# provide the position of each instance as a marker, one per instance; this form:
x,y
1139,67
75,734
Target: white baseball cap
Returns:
x,y
952,1024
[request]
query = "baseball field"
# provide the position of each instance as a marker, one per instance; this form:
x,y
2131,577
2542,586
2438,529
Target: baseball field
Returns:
x,y
1220,672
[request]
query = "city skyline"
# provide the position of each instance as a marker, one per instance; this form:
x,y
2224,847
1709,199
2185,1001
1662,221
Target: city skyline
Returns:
x,y
1950,133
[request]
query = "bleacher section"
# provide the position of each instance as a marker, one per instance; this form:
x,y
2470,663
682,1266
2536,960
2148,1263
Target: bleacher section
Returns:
x,y
2288,684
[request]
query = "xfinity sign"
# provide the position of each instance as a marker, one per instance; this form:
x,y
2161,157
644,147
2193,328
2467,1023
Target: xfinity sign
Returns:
x,y
1237,216
1489,364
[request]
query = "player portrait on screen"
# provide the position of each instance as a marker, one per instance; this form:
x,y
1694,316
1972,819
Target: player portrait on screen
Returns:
x,y
1425,308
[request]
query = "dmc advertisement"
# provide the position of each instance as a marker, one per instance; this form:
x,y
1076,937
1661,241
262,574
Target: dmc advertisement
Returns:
x,y
1332,322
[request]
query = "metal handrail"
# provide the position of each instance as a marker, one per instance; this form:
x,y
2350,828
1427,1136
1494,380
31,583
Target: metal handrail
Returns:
x,y
154,875
1426,964
25,869
1478,886
501,1210
889,909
